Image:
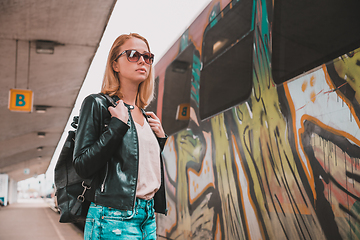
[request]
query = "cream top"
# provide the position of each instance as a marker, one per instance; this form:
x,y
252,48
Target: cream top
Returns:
x,y
149,175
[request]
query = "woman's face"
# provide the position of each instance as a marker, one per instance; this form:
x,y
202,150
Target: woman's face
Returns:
x,y
135,72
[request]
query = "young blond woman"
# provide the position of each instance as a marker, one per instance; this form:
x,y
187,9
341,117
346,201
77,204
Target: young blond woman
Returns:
x,y
119,147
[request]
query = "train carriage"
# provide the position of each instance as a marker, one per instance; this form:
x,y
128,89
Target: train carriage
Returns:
x,y
260,100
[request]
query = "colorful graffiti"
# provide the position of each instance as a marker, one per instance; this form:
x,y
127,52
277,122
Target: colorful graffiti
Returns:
x,y
282,165
326,124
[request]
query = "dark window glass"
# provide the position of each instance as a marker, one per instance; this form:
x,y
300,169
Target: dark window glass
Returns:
x,y
177,90
309,33
226,76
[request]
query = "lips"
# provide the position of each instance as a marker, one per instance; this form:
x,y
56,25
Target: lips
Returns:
x,y
141,70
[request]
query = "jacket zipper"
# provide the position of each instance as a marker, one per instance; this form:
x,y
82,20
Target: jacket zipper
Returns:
x,y
103,184
137,172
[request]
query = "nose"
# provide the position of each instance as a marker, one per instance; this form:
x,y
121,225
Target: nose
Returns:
x,y
141,60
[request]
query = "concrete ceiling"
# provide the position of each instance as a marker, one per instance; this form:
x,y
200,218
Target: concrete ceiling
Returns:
x,y
55,79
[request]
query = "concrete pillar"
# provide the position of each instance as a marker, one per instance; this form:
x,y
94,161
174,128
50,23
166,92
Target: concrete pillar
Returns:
x,y
4,184
13,193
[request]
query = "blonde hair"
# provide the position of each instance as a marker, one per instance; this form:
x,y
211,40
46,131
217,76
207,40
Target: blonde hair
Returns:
x,y
111,83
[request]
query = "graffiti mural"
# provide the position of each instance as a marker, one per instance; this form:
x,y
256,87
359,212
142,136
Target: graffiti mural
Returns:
x,y
282,165
325,115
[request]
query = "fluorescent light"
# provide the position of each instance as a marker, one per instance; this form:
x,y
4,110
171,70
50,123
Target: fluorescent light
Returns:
x,y
41,134
40,109
45,47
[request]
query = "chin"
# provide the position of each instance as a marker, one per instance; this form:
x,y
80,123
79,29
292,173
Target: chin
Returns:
x,y
140,80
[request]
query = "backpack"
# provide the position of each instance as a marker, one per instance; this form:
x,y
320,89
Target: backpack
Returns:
x,y
70,187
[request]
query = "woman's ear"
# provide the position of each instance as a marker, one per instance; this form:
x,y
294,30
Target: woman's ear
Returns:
x,y
115,66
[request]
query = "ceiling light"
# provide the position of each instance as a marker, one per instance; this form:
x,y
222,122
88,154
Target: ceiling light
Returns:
x,y
39,149
45,47
41,108
41,134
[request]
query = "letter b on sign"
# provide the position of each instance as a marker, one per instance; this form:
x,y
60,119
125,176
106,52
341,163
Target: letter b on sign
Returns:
x,y
183,111
20,100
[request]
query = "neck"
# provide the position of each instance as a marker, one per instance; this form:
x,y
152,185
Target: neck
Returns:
x,y
129,93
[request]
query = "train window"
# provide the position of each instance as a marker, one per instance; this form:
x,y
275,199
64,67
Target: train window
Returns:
x,y
153,104
177,90
309,33
226,75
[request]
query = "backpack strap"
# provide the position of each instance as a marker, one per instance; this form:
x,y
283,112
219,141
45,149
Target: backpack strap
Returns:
x,y
110,99
81,198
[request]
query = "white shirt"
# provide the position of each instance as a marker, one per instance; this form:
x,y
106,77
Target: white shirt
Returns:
x,y
149,174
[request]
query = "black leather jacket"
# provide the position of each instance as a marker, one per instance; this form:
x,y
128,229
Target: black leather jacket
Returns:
x,y
106,149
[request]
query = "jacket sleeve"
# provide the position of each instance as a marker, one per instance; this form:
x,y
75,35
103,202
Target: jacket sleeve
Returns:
x,y
93,147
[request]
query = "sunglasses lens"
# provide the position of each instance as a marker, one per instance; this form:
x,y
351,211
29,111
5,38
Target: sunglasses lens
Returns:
x,y
133,56
148,58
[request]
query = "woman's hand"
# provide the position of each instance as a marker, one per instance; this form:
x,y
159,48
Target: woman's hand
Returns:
x,y
120,111
155,124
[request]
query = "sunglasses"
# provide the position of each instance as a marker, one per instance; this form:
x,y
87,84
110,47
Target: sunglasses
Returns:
x,y
134,56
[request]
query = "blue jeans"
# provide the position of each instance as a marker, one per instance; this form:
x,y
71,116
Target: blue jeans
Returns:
x,y
109,223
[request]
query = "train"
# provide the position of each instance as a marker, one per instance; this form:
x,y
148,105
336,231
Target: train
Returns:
x,y
261,103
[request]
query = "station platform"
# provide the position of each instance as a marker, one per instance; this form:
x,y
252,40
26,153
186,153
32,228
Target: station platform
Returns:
x,y
34,219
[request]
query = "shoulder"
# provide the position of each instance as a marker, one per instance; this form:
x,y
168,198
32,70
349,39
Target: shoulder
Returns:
x,y
99,97
95,98
94,101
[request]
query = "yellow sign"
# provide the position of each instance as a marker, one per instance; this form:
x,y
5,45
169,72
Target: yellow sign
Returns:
x,y
20,100
183,111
